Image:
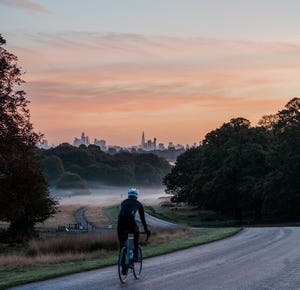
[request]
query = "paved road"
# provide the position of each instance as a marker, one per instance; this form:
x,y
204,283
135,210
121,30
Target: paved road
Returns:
x,y
155,222
80,218
151,220
256,258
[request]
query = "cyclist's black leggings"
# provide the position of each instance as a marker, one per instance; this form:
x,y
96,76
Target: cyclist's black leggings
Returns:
x,y
124,230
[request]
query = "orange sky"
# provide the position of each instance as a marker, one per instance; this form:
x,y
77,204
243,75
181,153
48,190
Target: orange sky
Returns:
x,y
114,86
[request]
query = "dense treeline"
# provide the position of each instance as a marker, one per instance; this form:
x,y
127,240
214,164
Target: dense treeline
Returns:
x,y
24,195
66,166
241,171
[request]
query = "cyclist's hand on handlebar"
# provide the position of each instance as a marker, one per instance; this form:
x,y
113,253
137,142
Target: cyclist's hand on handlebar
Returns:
x,y
148,233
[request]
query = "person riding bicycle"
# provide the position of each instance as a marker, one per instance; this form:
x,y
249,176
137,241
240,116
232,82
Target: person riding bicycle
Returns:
x,y
126,221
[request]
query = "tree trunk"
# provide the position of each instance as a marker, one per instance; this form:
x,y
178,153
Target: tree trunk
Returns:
x,y
20,230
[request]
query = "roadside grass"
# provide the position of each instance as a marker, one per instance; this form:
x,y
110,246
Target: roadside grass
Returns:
x,y
188,215
112,213
64,216
57,253
96,217
194,217
16,269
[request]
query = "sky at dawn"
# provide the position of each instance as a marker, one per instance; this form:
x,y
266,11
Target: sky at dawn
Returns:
x,y
174,69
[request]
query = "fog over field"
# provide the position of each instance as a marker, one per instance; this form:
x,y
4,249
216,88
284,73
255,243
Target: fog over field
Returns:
x,y
108,195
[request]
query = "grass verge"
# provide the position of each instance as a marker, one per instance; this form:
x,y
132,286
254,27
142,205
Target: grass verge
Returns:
x,y
13,276
48,259
190,216
112,213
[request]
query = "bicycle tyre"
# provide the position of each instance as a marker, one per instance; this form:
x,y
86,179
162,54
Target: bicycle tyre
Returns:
x,y
137,266
121,261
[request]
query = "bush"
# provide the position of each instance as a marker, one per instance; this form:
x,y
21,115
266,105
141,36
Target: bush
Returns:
x,y
74,243
71,180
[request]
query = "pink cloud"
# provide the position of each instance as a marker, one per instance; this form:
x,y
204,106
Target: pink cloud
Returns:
x,y
24,5
112,83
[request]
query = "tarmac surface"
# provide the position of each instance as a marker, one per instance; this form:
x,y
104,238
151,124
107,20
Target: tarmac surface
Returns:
x,y
256,258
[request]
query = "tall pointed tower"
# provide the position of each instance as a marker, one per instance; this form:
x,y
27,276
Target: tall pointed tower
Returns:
x,y
143,140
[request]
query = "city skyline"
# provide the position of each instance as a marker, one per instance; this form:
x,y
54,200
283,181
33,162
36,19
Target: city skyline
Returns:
x,y
145,144
130,66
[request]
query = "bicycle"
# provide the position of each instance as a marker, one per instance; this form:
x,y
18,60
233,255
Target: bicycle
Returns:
x,y
126,259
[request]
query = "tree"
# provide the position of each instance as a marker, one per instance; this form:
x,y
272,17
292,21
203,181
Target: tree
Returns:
x,y
24,196
268,121
71,180
287,160
225,173
53,168
243,170
179,181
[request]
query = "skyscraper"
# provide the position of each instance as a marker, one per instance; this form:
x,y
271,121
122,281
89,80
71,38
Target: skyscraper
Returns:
x,y
143,140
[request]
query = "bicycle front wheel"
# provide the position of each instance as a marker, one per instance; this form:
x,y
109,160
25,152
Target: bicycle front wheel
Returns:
x,y
137,266
122,267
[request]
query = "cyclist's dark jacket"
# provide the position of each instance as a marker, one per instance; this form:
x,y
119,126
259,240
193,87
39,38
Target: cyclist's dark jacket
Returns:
x,y
129,207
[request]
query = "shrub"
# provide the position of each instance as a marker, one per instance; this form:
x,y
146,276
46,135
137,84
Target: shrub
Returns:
x,y
73,243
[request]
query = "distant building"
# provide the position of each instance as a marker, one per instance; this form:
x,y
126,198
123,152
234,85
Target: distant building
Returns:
x,y
161,146
143,144
84,140
101,144
149,145
179,147
43,144
171,146
154,143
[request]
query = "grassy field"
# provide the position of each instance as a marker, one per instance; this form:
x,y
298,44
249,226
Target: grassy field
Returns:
x,y
188,215
56,254
64,216
96,217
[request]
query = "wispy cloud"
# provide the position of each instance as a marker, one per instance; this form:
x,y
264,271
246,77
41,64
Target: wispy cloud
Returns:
x,y
25,5
164,85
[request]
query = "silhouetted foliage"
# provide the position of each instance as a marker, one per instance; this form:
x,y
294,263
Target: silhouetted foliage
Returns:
x,y
24,196
179,181
93,165
53,167
241,169
287,159
71,180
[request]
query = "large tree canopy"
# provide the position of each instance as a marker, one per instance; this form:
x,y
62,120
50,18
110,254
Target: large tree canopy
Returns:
x,y
287,160
24,196
242,169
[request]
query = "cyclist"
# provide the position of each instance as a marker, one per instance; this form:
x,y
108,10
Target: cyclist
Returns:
x,y
126,221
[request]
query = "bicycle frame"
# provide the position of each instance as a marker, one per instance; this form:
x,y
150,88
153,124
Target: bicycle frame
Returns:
x,y
126,259
129,251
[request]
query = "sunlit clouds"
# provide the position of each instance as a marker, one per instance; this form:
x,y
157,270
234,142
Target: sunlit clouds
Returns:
x,y
114,86
24,4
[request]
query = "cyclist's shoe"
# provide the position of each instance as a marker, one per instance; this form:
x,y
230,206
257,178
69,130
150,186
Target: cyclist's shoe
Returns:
x,y
124,270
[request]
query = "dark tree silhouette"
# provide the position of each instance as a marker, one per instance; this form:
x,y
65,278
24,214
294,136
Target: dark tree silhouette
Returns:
x,y
287,161
24,196
94,165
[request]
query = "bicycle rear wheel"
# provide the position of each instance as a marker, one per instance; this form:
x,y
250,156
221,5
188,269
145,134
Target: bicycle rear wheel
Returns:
x,y
122,267
137,266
